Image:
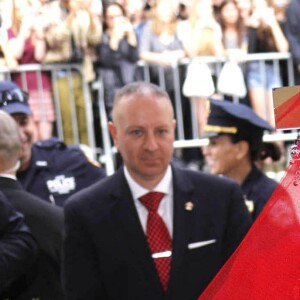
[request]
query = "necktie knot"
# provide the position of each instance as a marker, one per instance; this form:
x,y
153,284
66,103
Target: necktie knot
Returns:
x,y
152,200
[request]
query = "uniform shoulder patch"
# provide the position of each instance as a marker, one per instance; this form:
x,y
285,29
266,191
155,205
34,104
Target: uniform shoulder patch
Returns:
x,y
50,143
88,153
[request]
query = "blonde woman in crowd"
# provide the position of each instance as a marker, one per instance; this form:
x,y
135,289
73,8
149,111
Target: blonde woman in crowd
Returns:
x,y
86,31
201,36
136,13
160,45
28,46
73,30
6,56
265,35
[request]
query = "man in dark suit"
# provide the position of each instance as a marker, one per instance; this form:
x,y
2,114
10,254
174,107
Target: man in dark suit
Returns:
x,y
113,245
18,248
44,220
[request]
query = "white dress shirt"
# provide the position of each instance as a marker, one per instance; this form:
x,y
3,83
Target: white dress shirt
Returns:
x,y
8,176
165,209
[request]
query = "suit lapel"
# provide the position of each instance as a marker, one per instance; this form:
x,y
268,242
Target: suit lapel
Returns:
x,y
127,220
182,218
191,223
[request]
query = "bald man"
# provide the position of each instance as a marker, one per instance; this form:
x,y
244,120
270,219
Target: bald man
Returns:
x,y
44,220
109,248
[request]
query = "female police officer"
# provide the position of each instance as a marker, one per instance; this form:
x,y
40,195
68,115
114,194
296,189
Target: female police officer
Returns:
x,y
235,134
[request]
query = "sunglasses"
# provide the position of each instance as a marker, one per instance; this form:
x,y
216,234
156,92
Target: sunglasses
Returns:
x,y
13,96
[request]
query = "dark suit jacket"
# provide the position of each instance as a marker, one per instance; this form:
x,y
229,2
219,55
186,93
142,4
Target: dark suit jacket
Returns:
x,y
106,255
46,224
18,249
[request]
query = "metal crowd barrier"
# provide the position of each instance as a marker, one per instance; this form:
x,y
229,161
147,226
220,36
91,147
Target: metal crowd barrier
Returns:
x,y
186,136
104,153
56,71
215,63
192,139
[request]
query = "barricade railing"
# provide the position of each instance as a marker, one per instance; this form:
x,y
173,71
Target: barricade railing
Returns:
x,y
192,139
215,63
57,71
107,156
186,136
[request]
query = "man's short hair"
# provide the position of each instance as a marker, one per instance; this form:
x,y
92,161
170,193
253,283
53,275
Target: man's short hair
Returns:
x,y
140,88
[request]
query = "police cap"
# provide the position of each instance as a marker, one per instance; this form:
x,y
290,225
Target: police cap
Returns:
x,y
240,120
12,99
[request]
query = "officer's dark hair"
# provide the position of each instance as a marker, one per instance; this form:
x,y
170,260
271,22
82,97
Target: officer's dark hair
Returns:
x,y
141,88
258,149
270,150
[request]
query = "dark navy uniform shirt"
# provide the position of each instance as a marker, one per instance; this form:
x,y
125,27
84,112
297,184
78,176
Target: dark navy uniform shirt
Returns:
x,y
257,189
58,170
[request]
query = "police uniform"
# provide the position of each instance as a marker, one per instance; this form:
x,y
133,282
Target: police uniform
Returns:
x,y
241,122
58,170
257,188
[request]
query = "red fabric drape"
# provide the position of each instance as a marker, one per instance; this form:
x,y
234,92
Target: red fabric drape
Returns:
x,y
287,114
266,265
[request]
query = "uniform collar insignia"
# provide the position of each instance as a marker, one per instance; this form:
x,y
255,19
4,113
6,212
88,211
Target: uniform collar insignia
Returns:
x,y
249,204
41,163
189,206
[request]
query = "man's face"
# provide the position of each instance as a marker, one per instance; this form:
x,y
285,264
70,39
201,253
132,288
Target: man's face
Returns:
x,y
27,134
221,155
143,131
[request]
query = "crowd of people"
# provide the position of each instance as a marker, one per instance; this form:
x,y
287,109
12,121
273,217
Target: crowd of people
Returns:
x,y
151,230
68,231
109,38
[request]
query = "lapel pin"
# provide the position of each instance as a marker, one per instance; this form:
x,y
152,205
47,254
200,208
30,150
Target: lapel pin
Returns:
x,y
249,204
189,206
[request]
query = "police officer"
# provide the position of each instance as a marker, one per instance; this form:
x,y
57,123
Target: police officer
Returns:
x,y
235,135
49,169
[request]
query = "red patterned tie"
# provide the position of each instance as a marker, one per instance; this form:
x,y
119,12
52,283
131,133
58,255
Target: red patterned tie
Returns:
x,y
158,236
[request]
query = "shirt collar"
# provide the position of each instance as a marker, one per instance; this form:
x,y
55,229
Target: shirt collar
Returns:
x,y
164,186
8,176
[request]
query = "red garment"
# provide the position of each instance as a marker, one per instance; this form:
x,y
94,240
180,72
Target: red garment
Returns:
x,y
266,265
41,103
